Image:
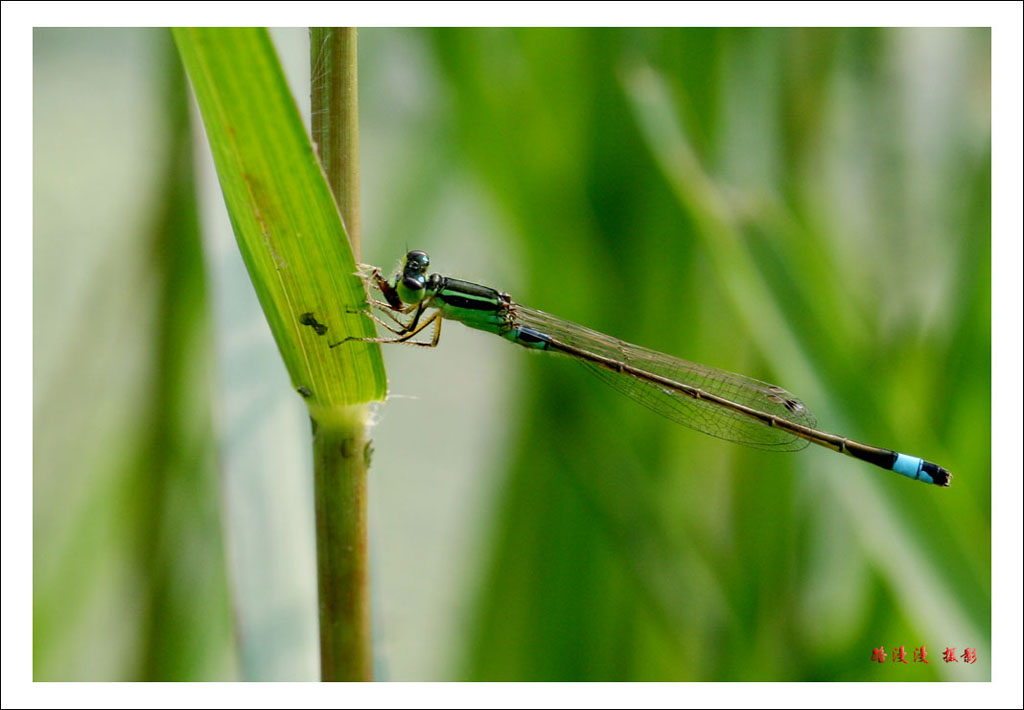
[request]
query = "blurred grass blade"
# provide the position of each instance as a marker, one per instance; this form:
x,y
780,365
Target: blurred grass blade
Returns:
x,y
187,626
923,593
129,573
284,218
717,226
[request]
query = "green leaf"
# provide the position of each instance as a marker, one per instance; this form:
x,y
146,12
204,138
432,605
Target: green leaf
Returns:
x,y
284,217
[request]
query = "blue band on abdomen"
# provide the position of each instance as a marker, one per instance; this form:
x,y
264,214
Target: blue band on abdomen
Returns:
x,y
910,466
527,337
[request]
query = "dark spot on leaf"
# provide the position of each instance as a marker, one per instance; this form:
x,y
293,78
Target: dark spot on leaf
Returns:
x,y
311,321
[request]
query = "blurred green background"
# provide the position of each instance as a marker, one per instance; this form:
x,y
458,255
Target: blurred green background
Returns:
x,y
808,207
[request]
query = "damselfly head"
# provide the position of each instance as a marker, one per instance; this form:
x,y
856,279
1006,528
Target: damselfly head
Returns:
x,y
416,262
414,275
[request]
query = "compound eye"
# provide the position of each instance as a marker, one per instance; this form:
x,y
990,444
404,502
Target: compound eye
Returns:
x,y
417,260
413,283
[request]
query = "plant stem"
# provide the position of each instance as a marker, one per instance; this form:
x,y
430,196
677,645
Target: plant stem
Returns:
x,y
339,470
335,105
339,442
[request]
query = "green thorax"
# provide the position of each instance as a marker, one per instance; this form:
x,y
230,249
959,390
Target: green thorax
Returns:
x,y
472,305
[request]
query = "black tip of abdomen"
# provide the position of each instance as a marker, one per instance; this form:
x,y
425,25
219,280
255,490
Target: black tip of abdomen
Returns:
x,y
939,475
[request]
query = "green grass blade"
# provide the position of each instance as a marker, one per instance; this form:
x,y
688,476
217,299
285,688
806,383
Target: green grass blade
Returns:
x,y
130,580
284,218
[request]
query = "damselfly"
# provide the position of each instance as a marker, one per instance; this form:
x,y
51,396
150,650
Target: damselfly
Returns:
x,y
722,404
